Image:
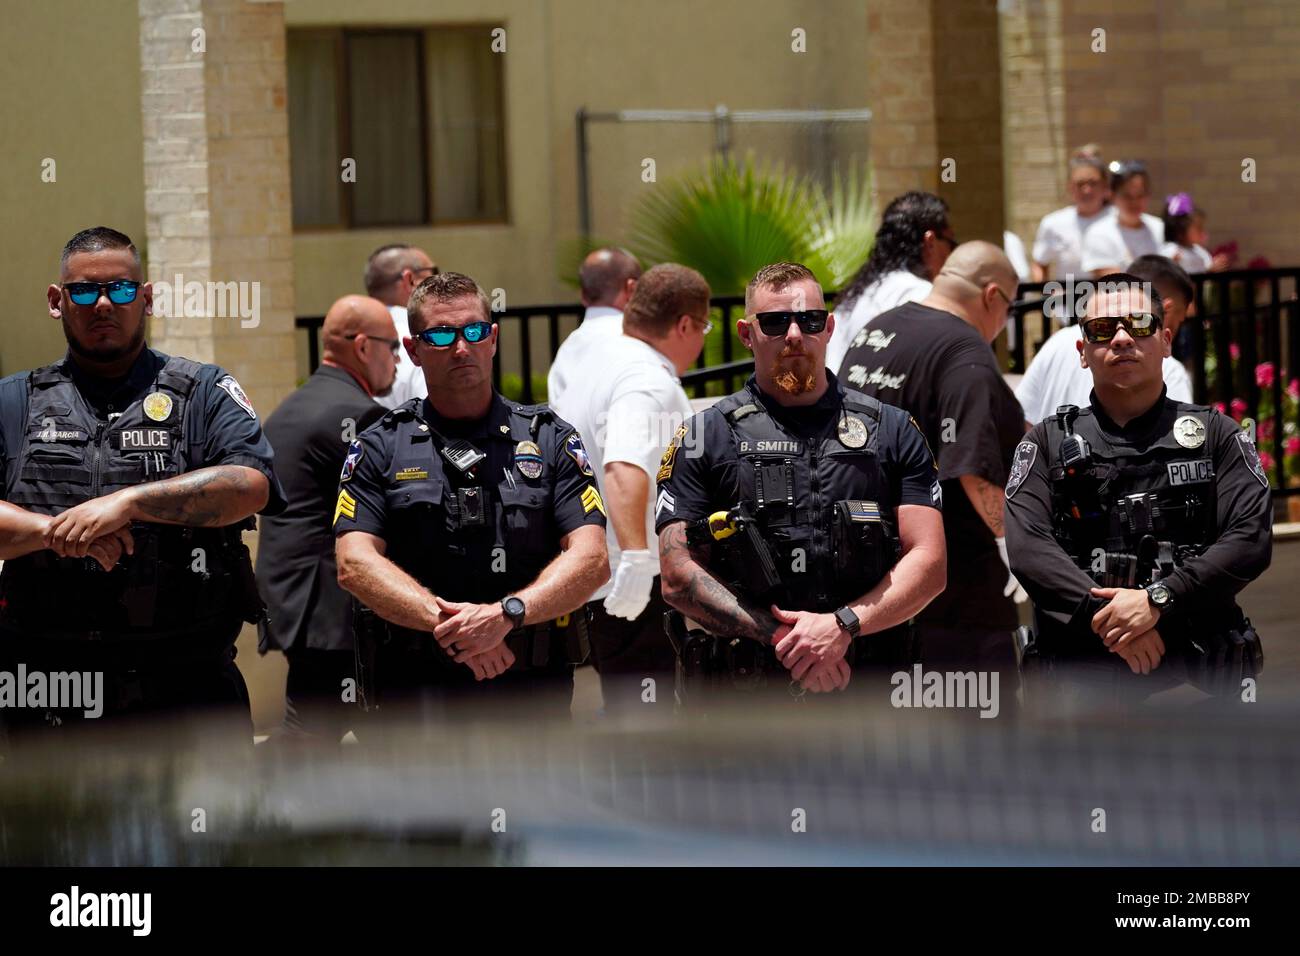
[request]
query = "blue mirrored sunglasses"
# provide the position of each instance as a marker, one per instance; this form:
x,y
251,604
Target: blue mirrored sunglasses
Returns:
x,y
119,292
442,336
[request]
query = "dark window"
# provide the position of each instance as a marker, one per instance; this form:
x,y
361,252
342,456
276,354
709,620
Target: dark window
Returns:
x,y
420,112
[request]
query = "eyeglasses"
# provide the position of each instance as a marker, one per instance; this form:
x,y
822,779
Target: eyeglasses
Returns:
x,y
442,336
1140,325
998,290
707,327
810,321
394,344
119,291
432,270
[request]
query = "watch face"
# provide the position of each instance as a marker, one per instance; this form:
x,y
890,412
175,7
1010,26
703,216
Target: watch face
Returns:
x,y
514,606
1160,595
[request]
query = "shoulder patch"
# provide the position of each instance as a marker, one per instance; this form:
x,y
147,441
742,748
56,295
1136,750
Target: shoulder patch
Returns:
x,y
1251,456
233,389
670,455
1026,455
573,448
350,463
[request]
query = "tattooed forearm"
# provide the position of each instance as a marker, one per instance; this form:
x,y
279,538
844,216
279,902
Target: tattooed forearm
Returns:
x,y
207,498
690,588
987,499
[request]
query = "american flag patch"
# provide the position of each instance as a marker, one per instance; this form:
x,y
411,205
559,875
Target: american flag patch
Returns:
x,y
863,511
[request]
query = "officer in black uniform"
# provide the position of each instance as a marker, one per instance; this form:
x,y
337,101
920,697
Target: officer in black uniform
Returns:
x,y
470,524
1133,523
799,521
127,477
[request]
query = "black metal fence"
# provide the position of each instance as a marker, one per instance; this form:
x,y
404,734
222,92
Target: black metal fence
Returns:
x,y
1242,346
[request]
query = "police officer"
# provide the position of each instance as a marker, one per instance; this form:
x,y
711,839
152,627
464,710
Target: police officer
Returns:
x,y
469,523
1132,523
799,521
128,476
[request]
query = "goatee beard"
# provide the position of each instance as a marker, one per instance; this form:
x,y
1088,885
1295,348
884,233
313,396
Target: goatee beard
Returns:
x,y
792,383
107,354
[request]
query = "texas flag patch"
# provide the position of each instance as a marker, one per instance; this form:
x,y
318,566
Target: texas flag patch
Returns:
x,y
350,463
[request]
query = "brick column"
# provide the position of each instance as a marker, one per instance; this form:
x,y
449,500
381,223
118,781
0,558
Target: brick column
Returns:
x,y
900,83
216,169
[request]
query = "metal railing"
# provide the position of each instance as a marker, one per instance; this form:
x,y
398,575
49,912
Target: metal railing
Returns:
x,y
1250,316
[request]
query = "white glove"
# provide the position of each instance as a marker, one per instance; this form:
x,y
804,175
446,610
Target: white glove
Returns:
x,y
632,583
1013,589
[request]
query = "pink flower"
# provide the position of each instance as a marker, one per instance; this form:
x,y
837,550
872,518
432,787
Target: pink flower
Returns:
x,y
1264,430
1238,408
1234,350
1294,389
1266,460
1264,374
1292,445
1221,408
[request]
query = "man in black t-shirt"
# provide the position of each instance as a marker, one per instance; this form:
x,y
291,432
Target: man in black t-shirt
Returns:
x,y
933,359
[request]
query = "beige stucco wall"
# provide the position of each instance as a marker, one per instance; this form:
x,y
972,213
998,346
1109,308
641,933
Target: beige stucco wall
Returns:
x,y
69,91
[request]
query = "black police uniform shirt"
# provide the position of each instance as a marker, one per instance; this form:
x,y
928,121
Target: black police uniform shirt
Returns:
x,y
219,427
1204,586
397,485
700,470
296,571
941,370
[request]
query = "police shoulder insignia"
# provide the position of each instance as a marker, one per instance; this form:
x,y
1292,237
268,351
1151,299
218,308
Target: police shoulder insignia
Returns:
x,y
591,501
1249,453
573,446
528,459
346,508
1026,454
670,454
158,406
350,462
1189,431
232,388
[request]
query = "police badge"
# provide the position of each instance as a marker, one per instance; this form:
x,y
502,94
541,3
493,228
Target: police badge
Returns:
x,y
1026,454
853,434
528,459
1189,431
158,406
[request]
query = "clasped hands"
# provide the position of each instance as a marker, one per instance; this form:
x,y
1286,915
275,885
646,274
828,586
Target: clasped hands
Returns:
x,y
812,648
474,635
1126,626
97,529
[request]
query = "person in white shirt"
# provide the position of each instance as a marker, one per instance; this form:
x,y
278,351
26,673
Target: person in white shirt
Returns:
x,y
628,409
606,279
1058,245
1129,231
392,273
1057,375
911,245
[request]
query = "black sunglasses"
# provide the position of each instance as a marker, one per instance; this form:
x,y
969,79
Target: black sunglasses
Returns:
x,y
442,336
119,291
394,344
1140,325
810,321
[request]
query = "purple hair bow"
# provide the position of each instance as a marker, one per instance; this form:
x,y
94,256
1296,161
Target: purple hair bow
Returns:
x,y
1180,204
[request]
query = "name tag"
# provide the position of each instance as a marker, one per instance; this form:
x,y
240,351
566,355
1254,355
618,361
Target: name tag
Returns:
x,y
56,434
771,448
144,439
1191,472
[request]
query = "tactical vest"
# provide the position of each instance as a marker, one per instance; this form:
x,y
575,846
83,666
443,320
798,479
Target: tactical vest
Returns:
x,y
826,551
68,456
475,534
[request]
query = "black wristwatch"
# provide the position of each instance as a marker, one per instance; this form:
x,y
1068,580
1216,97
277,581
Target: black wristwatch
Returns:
x,y
1159,596
514,610
848,620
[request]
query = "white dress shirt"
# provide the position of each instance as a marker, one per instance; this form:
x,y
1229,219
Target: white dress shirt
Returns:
x,y
627,408
600,323
409,382
1058,245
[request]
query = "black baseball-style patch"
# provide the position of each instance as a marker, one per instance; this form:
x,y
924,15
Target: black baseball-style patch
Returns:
x,y
1026,454
144,439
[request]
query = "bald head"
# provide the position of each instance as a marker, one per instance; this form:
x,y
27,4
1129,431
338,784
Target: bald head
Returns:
x,y
977,283
358,335
607,277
